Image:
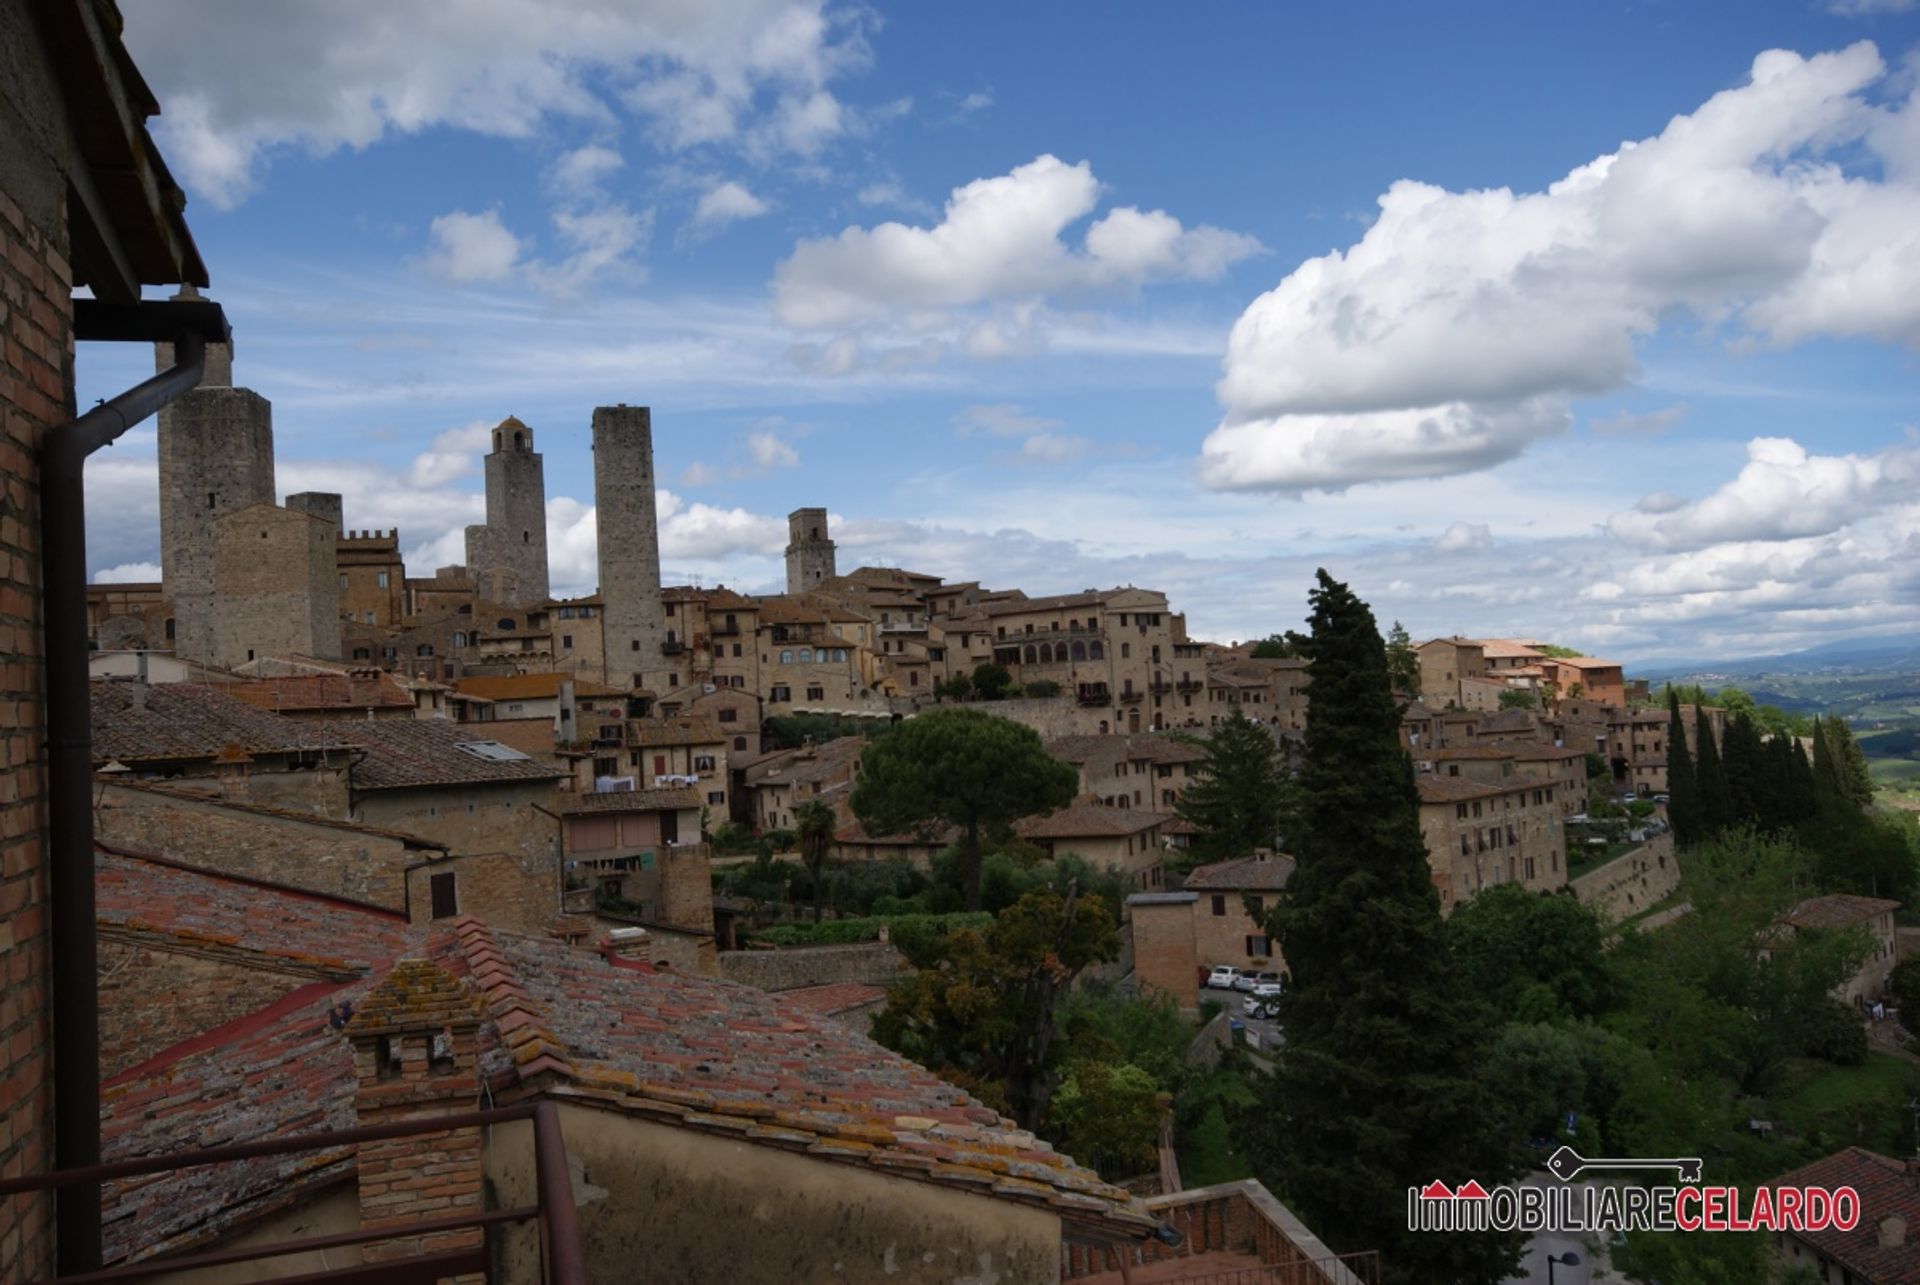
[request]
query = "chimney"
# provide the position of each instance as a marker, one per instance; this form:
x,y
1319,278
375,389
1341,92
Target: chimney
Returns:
x,y
416,1055
137,695
1892,1231
233,766
629,944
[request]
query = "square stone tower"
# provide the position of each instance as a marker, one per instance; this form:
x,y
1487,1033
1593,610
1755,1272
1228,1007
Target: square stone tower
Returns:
x,y
809,551
276,585
216,458
508,556
634,617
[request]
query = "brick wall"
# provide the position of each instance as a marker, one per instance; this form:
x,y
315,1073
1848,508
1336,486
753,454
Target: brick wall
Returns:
x,y
152,999
36,359
1163,947
1631,882
501,888
321,858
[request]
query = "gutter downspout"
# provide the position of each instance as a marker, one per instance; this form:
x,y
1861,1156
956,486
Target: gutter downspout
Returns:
x,y
190,326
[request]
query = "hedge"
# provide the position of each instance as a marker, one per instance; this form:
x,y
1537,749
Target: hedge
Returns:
x,y
908,928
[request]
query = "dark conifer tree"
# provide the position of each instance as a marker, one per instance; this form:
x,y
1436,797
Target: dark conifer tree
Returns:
x,y
1683,788
1826,779
1237,798
1378,1087
1806,796
1716,808
1742,764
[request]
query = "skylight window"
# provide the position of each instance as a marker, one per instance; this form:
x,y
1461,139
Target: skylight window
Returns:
x,y
491,751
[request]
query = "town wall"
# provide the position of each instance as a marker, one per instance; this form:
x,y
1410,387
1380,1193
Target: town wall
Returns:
x,y
877,963
1631,882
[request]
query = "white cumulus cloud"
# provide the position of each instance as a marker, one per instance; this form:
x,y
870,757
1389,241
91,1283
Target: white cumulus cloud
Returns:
x,y
1000,238
725,203
1458,329
1782,493
469,248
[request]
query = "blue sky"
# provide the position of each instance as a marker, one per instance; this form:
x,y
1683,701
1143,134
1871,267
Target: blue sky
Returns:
x,y
1057,296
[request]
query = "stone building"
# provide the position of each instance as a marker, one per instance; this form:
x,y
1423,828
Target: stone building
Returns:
x,y
634,624
276,588
1126,841
508,554
1443,663
373,579
1147,771
1217,917
1489,827
809,550
216,458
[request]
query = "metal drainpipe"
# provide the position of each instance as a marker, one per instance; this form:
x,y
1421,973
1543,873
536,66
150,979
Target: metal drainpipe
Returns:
x,y
69,754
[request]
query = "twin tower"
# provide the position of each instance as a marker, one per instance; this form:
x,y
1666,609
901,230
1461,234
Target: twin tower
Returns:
x,y
507,555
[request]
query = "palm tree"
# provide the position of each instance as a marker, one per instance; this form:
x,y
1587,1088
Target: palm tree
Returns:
x,y
813,825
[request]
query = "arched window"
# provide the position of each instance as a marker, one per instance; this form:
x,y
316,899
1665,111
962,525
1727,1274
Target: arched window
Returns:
x,y
840,654
424,649
505,622
786,658
1095,651
519,441
1079,650
459,640
806,655
1031,656
1103,727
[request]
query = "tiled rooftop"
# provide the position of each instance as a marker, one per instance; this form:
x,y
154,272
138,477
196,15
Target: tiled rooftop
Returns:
x,y
531,687
1458,789
676,729
1886,1190
1115,747
807,763
408,752
1247,874
832,997
145,722
599,803
696,1053
357,690
1838,910
165,789
1087,820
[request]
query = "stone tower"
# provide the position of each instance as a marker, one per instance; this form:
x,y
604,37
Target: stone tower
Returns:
x,y
634,619
216,458
325,505
508,556
809,551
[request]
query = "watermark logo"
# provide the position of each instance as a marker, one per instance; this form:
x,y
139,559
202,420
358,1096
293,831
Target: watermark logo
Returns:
x,y
1595,1208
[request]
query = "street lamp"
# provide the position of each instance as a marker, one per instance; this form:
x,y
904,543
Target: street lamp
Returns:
x,y
1570,1258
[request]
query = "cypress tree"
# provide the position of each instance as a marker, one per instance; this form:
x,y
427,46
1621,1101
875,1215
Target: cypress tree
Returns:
x,y
1826,779
1377,1088
1716,809
1683,788
1850,764
1741,764
1805,795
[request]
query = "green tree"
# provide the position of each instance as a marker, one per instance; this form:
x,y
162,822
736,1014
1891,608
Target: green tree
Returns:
x,y
813,827
1742,763
1378,1086
981,1011
1532,956
991,681
1236,798
957,688
1403,662
1516,698
1107,1115
1850,764
1683,787
1275,647
1904,983
959,767
1716,806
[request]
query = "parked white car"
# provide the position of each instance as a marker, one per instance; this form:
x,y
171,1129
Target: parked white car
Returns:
x,y
1249,980
1224,976
1264,993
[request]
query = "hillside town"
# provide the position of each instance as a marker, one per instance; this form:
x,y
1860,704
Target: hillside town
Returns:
x,y
373,922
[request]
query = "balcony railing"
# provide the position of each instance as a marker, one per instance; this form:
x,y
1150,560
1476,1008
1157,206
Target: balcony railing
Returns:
x,y
1188,686
724,629
1094,694
562,1261
672,647
1159,687
1130,696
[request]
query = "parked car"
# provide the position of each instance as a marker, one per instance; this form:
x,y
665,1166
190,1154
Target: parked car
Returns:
x,y
1261,994
1224,976
1629,797
1266,1009
1663,798
1248,980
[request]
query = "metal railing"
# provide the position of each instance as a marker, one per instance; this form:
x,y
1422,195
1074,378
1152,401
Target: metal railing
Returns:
x,y
562,1261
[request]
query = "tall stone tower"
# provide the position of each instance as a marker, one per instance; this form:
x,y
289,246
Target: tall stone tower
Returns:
x,y
809,551
508,556
216,458
635,621
328,506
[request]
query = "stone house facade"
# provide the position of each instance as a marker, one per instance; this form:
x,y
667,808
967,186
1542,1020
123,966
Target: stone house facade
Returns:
x,y
1480,832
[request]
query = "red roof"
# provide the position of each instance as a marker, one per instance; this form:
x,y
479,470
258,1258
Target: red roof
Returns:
x,y
360,689
1886,1191
833,997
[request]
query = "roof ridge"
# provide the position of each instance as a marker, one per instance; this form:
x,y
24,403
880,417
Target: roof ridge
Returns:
x,y
252,881
526,1034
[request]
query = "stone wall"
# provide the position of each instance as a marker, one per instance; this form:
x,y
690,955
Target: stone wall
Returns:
x,y
152,999
36,359
503,889
1631,882
1164,958
629,544
276,585
302,854
508,555
874,962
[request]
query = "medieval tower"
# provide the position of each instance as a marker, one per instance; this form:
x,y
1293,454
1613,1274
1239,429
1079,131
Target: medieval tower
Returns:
x,y
634,619
216,458
508,556
809,551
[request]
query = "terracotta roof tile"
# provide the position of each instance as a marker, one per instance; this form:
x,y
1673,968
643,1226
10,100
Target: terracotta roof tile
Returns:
x,y
355,690
531,687
1886,1190
404,753
1247,874
136,722
1838,910
662,800
1087,820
